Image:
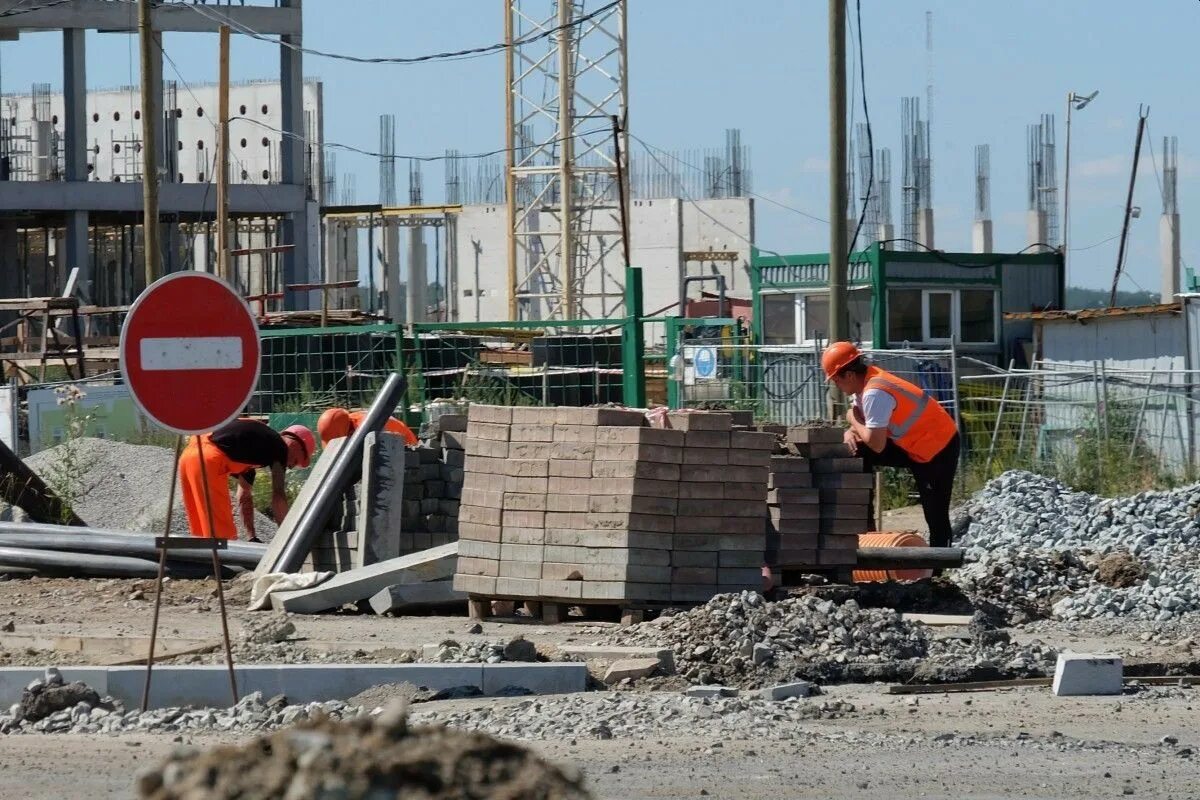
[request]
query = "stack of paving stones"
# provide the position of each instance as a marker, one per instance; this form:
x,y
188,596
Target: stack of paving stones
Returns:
x,y
592,504
820,501
720,532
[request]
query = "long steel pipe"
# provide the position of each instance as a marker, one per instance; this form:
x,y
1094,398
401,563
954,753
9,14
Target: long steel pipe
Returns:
x,y
133,545
348,460
90,565
910,557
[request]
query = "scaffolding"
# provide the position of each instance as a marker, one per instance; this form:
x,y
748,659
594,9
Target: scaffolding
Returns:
x,y
1042,174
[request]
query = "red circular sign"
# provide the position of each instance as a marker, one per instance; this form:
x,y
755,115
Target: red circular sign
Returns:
x,y
190,352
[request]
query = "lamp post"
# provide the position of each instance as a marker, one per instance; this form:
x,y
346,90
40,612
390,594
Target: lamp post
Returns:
x,y
1077,102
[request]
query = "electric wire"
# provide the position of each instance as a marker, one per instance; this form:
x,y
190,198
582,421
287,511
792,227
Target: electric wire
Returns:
x,y
862,74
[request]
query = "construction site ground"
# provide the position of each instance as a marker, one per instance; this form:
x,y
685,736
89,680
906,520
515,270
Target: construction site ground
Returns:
x,y
1022,742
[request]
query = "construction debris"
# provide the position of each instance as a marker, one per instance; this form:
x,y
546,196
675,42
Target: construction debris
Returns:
x,y
1039,545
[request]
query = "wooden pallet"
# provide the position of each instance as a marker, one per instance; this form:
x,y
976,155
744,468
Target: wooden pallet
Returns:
x,y
555,610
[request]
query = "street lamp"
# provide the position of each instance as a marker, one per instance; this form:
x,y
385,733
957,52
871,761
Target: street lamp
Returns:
x,y
1077,102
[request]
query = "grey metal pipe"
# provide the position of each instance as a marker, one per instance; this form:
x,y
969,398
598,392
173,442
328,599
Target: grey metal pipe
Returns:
x,y
345,466
722,308
90,565
910,557
130,545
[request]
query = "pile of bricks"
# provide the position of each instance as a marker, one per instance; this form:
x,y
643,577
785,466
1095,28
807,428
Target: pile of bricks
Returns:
x,y
820,500
433,481
719,533
590,504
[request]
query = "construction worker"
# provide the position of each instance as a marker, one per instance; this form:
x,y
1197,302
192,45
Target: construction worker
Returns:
x,y
338,422
237,450
894,423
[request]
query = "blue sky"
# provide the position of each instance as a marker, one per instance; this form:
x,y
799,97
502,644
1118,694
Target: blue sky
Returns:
x,y
697,67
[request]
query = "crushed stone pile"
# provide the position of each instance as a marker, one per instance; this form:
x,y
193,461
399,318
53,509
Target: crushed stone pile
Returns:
x,y
363,758
121,486
634,715
1045,550
744,640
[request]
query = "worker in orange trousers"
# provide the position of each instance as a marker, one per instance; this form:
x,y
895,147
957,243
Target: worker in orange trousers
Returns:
x,y
895,423
237,450
336,423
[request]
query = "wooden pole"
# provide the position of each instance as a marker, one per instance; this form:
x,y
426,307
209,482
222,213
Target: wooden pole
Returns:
x,y
223,268
150,110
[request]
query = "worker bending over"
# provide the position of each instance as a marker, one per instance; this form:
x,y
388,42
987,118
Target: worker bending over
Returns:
x,y
894,423
336,423
236,451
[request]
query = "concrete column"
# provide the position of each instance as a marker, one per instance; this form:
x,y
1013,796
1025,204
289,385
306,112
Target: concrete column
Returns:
x,y
981,236
925,227
1035,226
417,280
1169,255
76,252
887,232
295,226
391,271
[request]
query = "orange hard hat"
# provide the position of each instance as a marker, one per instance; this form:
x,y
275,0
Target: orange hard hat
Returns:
x,y
334,424
306,439
837,357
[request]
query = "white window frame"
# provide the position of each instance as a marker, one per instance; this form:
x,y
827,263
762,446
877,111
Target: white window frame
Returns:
x,y
955,293
927,317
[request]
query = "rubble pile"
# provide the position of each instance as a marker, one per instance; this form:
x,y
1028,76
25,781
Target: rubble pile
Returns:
x,y
745,640
1136,557
380,757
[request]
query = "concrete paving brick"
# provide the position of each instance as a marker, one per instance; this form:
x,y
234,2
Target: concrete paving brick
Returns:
x,y
663,437
523,519
526,485
690,473
780,464
683,593
454,440
560,589
540,432
474,584
454,458
794,511
698,575
520,501
720,525
611,555
796,527
473,548
518,587
528,415
744,559
753,440
794,496
844,480
636,469
822,450
573,451
837,541
573,520
584,434
836,558
521,552
485,431
700,421
477,531
750,458
790,480
706,456
529,570
561,468
845,496
485,465
808,434
605,572
639,452
480,412
615,538
701,491
514,535
529,450
747,576
638,522
743,541
628,591
456,423
567,503
702,438
696,541
631,504
526,468
559,486
634,486
837,465
485,567
849,511
479,515
695,558
1078,674
845,526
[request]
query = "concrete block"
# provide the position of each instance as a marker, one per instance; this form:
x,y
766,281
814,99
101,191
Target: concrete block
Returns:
x,y
790,480
540,432
611,555
452,422
525,468
634,522
812,434
750,458
359,584
521,552
631,504
630,591
529,570
663,437
529,450
1087,674
472,548
567,503
515,535
639,452
636,469
518,501
827,465
631,668
517,587
638,573
454,440
700,421
844,480
558,678
484,431
789,464
528,415
754,490
416,597
480,412
580,434
785,690
563,589
633,486
479,515
486,448
566,468
486,466
753,440
523,519
573,451
570,537
710,691
701,438
379,518
695,558
477,531
701,491
525,485
475,584
665,656
706,456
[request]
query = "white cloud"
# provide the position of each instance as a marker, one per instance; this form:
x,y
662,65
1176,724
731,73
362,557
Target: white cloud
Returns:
x,y
1106,167
816,164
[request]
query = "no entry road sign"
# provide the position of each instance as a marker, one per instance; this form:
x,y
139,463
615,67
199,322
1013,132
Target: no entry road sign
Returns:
x,y
190,352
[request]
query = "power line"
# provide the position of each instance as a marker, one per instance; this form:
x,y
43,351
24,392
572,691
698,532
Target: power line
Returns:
x,y
940,256
456,55
862,74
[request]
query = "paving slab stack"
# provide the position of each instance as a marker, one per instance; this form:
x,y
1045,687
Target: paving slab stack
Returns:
x,y
591,504
720,530
820,500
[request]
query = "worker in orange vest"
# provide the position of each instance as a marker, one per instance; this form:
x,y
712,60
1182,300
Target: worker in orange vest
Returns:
x,y
237,450
338,422
894,423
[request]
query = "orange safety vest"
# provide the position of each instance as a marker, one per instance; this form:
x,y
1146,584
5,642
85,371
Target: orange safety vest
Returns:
x,y
919,425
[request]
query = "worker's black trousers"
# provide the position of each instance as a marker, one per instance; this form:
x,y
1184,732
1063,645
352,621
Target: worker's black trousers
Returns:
x,y
935,482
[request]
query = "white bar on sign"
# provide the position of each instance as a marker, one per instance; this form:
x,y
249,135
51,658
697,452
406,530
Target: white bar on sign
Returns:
x,y
193,352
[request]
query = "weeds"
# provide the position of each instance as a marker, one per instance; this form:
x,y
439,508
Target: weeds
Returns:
x,y
67,475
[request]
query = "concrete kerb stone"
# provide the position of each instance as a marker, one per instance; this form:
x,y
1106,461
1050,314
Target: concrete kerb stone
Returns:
x,y
785,690
208,685
710,691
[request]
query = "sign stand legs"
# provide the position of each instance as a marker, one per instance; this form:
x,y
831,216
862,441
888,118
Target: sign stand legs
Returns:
x,y
166,543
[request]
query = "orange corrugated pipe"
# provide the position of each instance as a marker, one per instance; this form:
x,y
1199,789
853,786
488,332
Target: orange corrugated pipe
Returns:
x,y
890,539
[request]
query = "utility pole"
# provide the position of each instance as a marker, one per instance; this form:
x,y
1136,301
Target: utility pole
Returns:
x,y
150,106
1137,151
223,270
839,323
510,160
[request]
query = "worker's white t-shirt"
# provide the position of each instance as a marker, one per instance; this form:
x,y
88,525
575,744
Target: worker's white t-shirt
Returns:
x,y
877,407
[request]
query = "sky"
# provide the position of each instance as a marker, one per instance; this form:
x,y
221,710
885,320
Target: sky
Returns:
x,y
697,67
